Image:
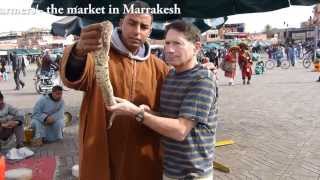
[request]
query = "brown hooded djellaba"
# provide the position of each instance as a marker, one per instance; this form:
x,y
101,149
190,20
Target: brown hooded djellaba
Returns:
x,y
129,150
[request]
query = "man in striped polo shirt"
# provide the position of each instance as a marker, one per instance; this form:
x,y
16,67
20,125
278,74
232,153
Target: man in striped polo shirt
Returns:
x,y
188,108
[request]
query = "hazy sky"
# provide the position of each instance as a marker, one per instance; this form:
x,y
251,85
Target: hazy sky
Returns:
x,y
254,22
293,16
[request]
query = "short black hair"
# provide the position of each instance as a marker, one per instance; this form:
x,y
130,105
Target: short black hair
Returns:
x,y
190,31
138,4
1,96
57,88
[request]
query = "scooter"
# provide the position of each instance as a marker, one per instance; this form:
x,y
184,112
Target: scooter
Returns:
x,y
45,81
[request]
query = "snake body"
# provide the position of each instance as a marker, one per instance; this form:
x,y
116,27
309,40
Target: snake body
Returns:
x,y
101,61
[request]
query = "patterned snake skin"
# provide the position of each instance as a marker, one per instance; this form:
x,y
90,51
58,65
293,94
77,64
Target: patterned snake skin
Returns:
x,y
101,57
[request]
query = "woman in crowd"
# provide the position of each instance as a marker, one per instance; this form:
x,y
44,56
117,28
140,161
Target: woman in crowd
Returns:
x,y
229,64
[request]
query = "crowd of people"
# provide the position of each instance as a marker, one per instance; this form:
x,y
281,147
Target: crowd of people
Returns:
x,y
17,65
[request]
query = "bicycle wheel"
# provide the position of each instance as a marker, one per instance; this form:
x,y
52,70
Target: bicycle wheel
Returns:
x,y
306,63
285,64
270,64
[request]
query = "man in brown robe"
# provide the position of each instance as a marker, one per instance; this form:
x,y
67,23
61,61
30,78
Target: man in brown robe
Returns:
x,y
129,150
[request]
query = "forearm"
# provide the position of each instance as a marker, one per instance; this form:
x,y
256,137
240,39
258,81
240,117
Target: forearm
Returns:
x,y
40,116
8,118
4,119
169,127
75,67
58,115
176,129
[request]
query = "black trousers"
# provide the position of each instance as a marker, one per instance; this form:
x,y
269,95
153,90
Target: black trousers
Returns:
x,y
18,81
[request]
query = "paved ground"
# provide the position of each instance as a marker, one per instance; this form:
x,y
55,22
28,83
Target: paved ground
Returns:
x,y
274,122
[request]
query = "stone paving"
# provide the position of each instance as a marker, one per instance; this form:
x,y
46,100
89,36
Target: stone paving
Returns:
x,y
274,123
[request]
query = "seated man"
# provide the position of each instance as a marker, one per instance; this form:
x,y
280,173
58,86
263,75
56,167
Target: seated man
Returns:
x,y
48,117
11,122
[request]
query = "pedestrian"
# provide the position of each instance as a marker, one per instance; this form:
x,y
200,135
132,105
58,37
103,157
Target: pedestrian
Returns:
x,y
17,65
229,64
187,117
278,55
3,71
245,63
24,67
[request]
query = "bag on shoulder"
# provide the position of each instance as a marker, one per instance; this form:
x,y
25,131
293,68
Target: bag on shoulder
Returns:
x,y
227,66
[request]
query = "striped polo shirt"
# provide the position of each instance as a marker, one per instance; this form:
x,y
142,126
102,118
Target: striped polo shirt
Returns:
x,y
191,94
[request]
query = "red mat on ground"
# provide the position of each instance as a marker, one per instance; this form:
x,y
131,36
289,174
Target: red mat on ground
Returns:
x,y
43,168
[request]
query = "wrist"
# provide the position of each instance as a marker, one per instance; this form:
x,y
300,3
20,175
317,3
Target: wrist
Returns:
x,y
78,51
139,116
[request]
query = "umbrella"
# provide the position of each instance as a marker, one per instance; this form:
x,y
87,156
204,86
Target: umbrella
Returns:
x,y
196,11
73,24
69,25
212,45
34,51
189,8
20,52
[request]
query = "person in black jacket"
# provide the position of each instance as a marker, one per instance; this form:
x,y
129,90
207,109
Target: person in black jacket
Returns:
x,y
17,65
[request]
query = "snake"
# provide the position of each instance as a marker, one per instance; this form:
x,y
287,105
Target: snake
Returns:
x,y
101,61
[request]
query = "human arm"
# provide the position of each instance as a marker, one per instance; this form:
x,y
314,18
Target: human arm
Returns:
x,y
57,115
197,104
210,66
77,64
175,128
90,40
38,111
15,114
5,119
10,124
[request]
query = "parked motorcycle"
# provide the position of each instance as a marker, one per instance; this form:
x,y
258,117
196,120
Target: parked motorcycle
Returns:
x,y
44,81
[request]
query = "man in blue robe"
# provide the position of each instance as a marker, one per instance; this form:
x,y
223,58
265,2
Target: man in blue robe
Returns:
x,y
48,117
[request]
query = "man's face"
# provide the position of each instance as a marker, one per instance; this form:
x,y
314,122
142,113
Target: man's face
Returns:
x,y
1,103
178,50
135,30
57,95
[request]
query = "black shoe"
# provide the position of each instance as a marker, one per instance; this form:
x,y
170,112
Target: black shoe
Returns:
x,y
19,146
244,82
22,85
248,82
17,88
